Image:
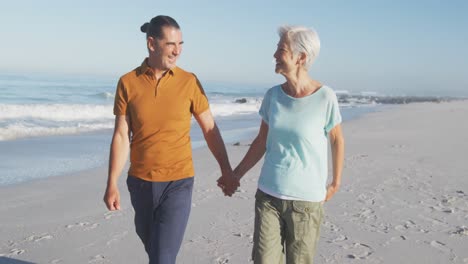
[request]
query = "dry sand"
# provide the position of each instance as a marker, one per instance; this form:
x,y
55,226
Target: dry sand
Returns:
x,y
404,199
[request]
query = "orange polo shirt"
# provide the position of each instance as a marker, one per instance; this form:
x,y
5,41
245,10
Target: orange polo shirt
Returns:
x,y
160,114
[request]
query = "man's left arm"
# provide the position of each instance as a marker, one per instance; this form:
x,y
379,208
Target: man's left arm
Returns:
x,y
216,145
337,148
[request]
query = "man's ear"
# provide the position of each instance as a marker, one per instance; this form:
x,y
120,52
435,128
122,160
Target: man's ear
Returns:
x,y
150,43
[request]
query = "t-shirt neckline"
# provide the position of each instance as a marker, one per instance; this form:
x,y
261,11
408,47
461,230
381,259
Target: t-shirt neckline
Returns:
x,y
300,98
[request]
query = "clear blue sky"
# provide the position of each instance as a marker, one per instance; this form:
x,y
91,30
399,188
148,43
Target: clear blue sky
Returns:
x,y
390,46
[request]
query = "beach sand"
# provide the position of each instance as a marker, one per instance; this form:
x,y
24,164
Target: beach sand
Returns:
x,y
404,199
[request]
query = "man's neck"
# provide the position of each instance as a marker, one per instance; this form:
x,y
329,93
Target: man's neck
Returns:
x,y
158,74
158,71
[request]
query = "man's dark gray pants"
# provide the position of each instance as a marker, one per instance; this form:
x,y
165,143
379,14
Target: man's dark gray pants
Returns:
x,y
162,210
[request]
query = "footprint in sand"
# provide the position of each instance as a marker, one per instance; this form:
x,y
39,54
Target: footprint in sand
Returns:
x,y
447,200
360,251
117,237
357,157
461,230
110,214
440,246
445,205
410,224
98,259
366,214
92,226
85,225
242,235
433,221
39,238
366,199
222,259
393,239
13,252
34,238
340,238
331,226
202,195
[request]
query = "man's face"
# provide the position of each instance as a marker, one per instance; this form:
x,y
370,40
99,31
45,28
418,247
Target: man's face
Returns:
x,y
166,51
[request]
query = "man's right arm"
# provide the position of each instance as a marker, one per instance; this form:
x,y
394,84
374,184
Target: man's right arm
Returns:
x,y
118,156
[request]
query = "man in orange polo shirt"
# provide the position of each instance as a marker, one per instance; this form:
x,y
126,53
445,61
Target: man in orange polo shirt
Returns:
x,y
153,106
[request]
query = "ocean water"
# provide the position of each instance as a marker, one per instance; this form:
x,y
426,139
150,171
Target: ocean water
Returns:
x,y
53,125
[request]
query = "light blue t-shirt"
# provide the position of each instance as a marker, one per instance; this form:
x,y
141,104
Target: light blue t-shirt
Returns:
x,y
296,148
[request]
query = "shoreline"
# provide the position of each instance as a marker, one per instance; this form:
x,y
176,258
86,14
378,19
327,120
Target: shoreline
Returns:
x,y
62,155
404,199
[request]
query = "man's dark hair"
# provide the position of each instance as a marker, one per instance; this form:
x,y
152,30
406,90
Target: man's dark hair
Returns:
x,y
154,27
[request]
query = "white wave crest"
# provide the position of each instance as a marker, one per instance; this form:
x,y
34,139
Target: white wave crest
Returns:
x,y
35,120
15,131
106,95
56,112
251,106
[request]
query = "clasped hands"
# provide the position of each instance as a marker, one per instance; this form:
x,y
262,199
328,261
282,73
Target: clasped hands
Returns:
x,y
228,182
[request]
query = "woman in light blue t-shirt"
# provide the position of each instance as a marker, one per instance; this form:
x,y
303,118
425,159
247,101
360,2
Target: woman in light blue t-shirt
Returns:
x,y
299,118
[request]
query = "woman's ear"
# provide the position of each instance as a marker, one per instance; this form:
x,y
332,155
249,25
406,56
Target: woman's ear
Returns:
x,y
302,58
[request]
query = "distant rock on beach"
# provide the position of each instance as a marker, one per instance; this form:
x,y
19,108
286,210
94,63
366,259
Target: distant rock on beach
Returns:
x,y
241,101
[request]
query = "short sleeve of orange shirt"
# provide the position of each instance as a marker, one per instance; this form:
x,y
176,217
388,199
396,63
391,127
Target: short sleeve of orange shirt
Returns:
x,y
160,113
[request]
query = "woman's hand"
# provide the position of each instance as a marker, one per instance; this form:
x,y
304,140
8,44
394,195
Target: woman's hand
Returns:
x,y
331,190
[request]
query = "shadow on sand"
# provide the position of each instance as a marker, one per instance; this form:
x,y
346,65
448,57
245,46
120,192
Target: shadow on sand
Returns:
x,y
5,260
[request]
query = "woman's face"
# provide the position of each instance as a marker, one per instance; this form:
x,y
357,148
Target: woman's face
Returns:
x,y
285,59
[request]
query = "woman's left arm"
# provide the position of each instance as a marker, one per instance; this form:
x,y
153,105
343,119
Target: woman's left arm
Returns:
x,y
337,148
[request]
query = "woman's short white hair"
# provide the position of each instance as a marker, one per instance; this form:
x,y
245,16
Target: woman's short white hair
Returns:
x,y
302,40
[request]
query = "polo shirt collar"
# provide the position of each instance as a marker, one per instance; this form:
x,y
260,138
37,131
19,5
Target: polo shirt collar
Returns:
x,y
146,69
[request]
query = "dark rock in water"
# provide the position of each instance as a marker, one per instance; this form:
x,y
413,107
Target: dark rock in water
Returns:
x,y
236,144
241,101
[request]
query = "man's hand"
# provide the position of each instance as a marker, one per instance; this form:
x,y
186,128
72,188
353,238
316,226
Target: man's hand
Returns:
x,y
112,198
228,184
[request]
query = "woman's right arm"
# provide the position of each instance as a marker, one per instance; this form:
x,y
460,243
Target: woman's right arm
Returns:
x,y
255,152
